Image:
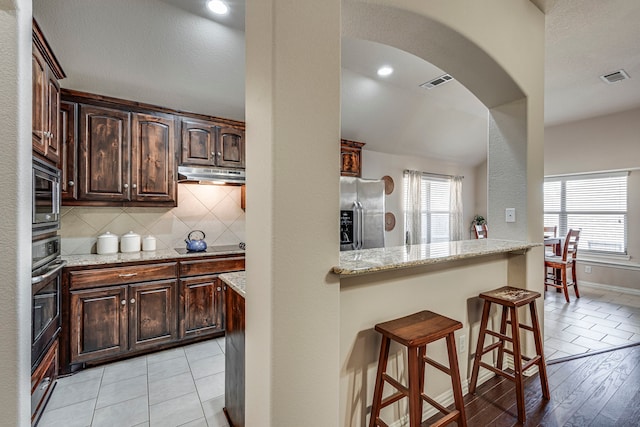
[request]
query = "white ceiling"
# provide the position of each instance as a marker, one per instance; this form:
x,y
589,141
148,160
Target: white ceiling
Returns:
x,y
173,53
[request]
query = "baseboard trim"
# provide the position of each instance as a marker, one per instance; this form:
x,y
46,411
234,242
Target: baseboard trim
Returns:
x,y
620,289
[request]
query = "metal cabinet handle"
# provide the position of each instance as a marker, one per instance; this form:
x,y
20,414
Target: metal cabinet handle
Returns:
x,y
71,183
123,302
219,154
219,289
134,186
126,185
128,275
132,301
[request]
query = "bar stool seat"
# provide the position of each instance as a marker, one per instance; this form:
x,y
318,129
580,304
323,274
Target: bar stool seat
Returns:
x,y
415,332
510,299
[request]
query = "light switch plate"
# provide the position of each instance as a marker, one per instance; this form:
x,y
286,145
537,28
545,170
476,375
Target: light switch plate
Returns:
x,y
510,214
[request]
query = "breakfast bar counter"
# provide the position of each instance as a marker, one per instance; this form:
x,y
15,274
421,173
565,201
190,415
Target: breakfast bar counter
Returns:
x,y
377,285
367,261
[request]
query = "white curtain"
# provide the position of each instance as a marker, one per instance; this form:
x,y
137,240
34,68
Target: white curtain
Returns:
x,y
413,218
456,227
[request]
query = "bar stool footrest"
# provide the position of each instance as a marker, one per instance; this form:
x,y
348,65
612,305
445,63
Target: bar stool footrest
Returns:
x,y
498,371
499,335
392,399
437,365
453,415
532,361
435,404
491,347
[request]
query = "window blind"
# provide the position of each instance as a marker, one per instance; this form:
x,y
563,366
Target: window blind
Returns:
x,y
594,203
434,207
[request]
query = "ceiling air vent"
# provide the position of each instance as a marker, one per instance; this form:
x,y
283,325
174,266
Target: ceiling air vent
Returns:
x,y
437,81
615,76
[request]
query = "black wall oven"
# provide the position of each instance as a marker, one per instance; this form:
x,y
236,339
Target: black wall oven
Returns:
x,y
45,197
45,290
46,278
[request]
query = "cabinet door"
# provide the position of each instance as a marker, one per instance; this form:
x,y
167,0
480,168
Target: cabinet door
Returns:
x,y
68,154
53,119
198,143
38,104
153,159
231,148
201,301
103,156
152,313
98,323
234,358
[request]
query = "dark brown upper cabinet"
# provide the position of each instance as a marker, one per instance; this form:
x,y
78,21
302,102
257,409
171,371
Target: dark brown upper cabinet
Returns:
x,y
350,158
206,143
68,154
199,143
153,159
126,157
125,153
231,148
103,154
46,71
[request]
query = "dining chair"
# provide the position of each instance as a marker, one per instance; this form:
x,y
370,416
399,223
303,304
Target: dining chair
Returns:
x,y
481,230
555,267
550,232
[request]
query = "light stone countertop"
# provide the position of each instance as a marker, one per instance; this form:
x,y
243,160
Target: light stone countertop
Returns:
x,y
158,255
236,280
366,261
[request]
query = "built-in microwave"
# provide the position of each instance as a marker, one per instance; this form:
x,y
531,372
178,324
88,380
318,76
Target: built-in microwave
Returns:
x,y
46,197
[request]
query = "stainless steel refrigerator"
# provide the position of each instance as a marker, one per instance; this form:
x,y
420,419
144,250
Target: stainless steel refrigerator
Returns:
x,y
361,213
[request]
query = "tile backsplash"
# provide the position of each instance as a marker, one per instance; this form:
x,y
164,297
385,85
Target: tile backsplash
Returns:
x,y
213,209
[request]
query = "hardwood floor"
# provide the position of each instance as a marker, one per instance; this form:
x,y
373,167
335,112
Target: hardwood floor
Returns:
x,y
598,390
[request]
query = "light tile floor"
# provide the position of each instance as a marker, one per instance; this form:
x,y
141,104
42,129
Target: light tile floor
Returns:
x,y
178,387
598,320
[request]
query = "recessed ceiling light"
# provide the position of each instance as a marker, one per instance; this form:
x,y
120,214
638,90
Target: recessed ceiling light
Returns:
x,y
385,71
218,7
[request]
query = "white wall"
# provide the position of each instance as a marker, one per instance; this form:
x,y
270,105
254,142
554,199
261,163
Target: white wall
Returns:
x,y
375,165
15,209
599,144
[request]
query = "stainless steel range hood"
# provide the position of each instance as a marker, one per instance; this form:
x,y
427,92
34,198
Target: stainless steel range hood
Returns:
x,y
210,175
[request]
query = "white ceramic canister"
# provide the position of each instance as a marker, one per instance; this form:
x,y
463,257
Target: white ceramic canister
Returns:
x,y
149,243
107,244
130,242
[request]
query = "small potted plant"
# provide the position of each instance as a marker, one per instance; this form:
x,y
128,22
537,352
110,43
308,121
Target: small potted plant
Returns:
x,y
478,220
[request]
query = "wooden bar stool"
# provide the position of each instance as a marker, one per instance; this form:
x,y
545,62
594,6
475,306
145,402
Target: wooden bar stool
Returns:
x,y
510,299
415,332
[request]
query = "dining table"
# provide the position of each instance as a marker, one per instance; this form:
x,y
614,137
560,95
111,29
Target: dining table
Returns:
x,y
556,243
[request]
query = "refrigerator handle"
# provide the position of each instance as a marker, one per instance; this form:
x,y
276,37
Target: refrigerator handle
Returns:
x,y
360,225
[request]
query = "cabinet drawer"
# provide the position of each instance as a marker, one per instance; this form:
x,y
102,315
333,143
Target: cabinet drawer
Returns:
x,y
211,266
84,279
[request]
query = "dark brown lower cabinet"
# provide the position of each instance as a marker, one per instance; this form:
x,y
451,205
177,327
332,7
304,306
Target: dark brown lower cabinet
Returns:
x,y
202,305
43,381
118,319
234,358
98,323
114,311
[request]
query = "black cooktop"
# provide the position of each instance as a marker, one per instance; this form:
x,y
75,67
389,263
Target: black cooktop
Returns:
x,y
210,249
